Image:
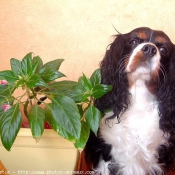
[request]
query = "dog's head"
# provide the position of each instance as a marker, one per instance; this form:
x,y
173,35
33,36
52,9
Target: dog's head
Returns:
x,y
140,54
146,53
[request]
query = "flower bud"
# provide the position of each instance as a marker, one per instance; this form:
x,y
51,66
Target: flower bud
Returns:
x,y
6,107
4,82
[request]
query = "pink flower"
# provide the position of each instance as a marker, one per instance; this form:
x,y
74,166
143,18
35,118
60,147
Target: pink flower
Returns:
x,y
4,82
6,107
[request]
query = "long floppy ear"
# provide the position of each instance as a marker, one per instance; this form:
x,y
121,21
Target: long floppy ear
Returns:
x,y
112,68
166,98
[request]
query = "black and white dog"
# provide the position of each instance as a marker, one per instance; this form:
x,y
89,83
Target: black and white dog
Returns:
x,y
137,133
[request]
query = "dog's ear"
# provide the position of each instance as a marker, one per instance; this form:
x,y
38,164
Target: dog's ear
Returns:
x,y
166,97
112,69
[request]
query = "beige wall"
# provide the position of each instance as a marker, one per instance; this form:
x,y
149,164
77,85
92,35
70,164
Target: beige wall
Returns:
x,y
76,30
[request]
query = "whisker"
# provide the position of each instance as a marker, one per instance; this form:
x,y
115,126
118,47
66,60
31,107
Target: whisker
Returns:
x,y
126,56
122,61
162,69
120,72
121,65
158,80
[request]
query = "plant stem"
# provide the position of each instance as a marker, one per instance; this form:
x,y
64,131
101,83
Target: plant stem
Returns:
x,y
25,108
29,96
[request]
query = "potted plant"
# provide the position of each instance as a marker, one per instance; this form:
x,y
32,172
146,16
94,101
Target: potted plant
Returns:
x,y
68,105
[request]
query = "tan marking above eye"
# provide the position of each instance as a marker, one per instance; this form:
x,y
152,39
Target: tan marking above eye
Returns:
x,y
142,35
160,39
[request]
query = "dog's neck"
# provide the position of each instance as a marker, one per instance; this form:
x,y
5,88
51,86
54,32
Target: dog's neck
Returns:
x,y
141,95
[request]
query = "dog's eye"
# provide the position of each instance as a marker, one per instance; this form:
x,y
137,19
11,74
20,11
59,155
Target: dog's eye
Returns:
x,y
134,42
164,50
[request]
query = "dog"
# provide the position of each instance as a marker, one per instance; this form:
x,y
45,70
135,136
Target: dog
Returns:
x,y
137,133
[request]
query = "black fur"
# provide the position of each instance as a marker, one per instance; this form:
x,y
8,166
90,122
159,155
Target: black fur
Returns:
x,y
166,97
113,74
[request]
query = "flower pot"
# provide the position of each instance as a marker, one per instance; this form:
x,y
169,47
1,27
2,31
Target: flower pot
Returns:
x,y
51,155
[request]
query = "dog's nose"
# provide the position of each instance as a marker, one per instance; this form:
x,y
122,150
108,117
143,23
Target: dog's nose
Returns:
x,y
149,50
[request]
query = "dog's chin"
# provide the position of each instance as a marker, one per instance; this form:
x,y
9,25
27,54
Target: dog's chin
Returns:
x,y
143,72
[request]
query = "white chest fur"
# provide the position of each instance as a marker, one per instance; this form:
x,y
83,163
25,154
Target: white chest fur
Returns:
x,y
136,138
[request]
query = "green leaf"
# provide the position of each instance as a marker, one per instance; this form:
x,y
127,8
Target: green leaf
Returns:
x,y
50,119
6,94
52,65
10,125
7,100
36,120
9,76
49,75
85,88
33,70
93,118
86,83
81,108
85,131
55,125
35,81
77,93
63,133
49,71
65,112
100,89
96,77
16,66
85,97
26,65
6,90
1,116
63,86
37,60
68,88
